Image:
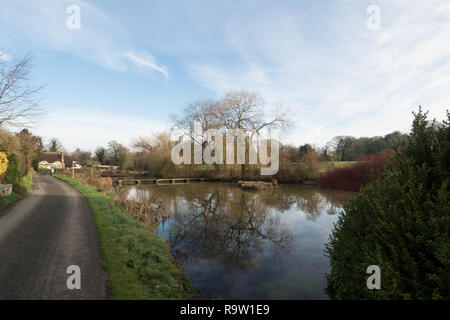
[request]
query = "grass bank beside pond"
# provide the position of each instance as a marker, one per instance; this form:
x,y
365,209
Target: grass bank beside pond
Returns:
x,y
138,263
19,191
327,166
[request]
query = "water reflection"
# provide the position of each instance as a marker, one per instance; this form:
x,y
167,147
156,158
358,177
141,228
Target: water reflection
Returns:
x,y
231,227
254,245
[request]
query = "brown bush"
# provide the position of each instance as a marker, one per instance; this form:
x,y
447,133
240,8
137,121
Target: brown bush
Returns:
x,y
355,177
92,178
143,207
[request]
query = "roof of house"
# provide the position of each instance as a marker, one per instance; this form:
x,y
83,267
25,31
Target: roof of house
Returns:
x,y
51,157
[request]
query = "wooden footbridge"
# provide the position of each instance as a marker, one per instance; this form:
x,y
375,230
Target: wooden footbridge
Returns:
x,y
165,181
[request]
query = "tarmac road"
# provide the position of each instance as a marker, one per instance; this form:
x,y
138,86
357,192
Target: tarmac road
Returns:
x,y
43,234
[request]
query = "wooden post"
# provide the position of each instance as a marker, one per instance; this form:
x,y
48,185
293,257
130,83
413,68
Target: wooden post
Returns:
x,y
73,169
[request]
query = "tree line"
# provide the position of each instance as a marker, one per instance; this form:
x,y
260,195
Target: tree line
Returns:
x,y
236,110
19,108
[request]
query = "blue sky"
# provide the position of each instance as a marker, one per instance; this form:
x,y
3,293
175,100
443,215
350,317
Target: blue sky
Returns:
x,y
133,63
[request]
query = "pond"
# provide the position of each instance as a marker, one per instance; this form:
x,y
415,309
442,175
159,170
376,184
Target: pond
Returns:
x,y
236,244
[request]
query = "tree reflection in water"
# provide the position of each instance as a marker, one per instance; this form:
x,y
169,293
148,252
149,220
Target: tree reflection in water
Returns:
x,y
232,227
238,229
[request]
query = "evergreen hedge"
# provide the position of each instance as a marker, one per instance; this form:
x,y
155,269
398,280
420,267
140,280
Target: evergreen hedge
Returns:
x,y
399,222
13,171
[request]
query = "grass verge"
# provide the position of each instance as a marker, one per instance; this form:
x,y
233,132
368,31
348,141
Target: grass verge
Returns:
x,y
19,192
138,263
327,166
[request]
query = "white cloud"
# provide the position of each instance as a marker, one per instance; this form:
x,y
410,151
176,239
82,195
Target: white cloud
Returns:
x,y
338,76
146,63
88,129
316,57
5,56
100,39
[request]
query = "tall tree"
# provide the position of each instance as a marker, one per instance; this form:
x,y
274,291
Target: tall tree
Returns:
x,y
118,153
55,145
304,150
31,147
400,223
100,155
242,111
82,157
19,103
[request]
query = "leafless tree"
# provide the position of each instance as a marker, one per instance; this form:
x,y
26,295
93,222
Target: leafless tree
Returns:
x,y
208,113
156,143
246,111
242,110
19,103
237,111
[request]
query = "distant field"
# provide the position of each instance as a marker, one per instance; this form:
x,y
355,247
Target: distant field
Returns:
x,y
325,166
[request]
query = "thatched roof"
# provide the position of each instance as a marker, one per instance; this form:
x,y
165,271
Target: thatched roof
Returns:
x,y
51,157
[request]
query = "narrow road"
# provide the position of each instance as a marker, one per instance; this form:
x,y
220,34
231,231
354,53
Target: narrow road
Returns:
x,y
43,234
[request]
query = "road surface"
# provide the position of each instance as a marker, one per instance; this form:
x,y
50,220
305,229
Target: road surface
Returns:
x,y
43,234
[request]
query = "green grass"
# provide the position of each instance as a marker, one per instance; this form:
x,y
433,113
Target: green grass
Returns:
x,y
27,183
325,166
138,263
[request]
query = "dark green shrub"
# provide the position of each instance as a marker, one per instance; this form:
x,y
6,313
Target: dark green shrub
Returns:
x,y
13,171
399,222
35,164
20,189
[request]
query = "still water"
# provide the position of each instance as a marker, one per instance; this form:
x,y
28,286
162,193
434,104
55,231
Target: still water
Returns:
x,y
236,244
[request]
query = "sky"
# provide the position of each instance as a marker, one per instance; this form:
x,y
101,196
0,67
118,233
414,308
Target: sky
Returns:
x,y
349,67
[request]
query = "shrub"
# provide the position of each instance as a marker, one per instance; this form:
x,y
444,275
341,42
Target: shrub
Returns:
x,y
13,172
399,222
354,177
19,189
292,173
3,164
35,164
92,178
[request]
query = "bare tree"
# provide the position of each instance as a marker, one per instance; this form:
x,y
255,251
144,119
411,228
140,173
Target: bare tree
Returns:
x,y
246,110
242,110
340,145
19,104
207,113
156,142
82,157
153,153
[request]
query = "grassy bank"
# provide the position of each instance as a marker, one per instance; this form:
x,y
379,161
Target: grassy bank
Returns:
x,y
19,191
138,263
327,166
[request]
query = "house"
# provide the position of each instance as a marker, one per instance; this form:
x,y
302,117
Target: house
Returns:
x,y
55,160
